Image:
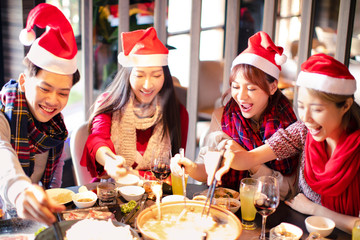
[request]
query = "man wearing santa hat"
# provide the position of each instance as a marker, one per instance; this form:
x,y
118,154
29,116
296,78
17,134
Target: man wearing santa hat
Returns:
x,y
32,131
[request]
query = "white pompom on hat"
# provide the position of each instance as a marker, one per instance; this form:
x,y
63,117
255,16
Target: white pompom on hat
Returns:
x,y
142,48
263,54
55,50
324,73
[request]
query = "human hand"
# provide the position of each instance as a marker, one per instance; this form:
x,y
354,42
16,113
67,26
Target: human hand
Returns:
x,y
302,204
114,165
225,165
33,203
177,162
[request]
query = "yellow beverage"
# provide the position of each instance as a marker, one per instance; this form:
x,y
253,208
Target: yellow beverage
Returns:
x,y
176,183
248,210
356,231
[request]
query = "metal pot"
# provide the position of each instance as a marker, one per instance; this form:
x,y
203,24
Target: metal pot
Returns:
x,y
229,224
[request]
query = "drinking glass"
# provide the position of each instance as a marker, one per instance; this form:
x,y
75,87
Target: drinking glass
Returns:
x,y
356,230
106,192
177,185
160,166
248,211
266,199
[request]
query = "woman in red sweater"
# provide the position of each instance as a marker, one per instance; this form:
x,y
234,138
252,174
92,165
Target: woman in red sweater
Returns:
x,y
139,116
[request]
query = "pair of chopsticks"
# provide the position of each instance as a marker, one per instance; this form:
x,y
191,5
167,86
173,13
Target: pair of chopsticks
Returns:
x,y
182,155
211,190
57,230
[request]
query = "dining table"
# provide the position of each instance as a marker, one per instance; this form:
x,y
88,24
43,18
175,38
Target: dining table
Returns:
x,y
20,227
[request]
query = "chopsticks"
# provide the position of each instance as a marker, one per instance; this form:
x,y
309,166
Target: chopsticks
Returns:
x,y
211,190
181,150
57,230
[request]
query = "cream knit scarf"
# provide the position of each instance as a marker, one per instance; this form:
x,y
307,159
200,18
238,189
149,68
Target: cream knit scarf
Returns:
x,y
123,132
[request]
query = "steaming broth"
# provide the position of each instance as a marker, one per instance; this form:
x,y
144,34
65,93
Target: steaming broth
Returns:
x,y
191,226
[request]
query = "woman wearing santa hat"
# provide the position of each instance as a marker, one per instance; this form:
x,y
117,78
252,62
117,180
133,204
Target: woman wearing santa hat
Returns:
x,y
32,128
256,109
139,116
328,136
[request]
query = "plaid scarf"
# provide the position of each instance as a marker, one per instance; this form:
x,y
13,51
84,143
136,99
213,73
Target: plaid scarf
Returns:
x,y
277,115
30,137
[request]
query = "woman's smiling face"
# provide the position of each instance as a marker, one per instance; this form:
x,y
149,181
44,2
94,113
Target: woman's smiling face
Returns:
x,y
146,82
322,118
251,99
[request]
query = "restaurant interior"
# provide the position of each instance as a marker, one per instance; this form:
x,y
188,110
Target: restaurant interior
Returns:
x,y
203,38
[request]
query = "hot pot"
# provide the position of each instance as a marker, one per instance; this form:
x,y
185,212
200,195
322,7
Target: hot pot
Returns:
x,y
227,225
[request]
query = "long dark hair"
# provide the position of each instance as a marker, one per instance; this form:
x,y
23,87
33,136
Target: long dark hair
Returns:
x,y
119,94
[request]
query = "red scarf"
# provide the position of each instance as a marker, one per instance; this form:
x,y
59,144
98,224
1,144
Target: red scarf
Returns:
x,y
277,115
336,179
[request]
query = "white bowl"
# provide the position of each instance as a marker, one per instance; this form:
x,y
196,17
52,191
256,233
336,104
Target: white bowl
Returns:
x,y
231,204
84,199
128,180
173,198
132,192
234,205
322,225
283,228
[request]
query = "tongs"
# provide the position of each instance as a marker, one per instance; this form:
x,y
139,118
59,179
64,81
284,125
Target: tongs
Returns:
x,y
211,190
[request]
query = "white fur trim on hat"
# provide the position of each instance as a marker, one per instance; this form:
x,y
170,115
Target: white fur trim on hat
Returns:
x,y
27,37
326,83
48,61
136,60
280,59
257,61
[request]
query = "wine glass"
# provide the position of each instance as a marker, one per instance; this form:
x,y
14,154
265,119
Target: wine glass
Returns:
x,y
160,166
266,199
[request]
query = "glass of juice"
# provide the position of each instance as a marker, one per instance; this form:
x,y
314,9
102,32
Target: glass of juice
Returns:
x,y
176,184
248,212
356,230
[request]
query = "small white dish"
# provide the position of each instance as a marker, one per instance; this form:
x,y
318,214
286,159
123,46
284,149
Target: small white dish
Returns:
x,y
234,205
128,180
322,225
131,192
173,198
84,199
286,229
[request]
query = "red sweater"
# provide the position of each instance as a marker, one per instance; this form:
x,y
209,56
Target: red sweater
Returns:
x,y
101,136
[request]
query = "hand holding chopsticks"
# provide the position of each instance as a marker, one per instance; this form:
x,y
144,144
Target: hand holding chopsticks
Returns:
x,y
211,190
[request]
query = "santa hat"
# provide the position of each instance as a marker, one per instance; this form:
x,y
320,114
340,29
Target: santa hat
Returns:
x,y
263,54
142,48
323,73
55,50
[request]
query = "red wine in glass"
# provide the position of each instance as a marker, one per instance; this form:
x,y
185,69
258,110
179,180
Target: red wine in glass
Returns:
x,y
161,171
266,206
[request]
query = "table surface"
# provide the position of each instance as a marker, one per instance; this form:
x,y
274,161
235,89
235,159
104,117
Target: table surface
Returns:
x,y
282,214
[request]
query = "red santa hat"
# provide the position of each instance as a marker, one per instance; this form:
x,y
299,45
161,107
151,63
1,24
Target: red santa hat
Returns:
x,y
323,73
263,54
55,50
142,48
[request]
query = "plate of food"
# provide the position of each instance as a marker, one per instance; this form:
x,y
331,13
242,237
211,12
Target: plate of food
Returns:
x,y
89,229
60,195
221,192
